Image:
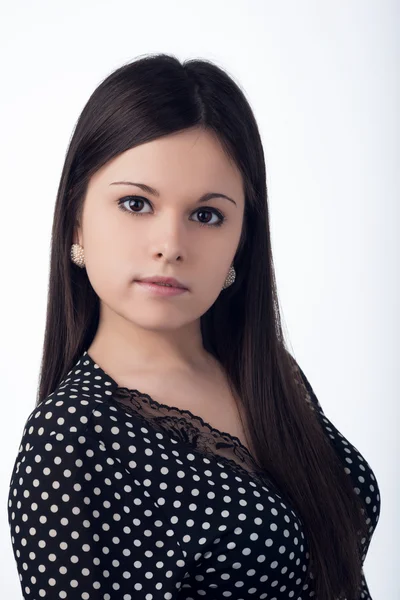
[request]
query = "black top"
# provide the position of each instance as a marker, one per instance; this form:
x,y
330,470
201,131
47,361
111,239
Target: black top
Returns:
x,y
114,496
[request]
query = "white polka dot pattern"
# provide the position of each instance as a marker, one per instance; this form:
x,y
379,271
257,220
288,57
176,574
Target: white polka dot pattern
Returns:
x,y
104,505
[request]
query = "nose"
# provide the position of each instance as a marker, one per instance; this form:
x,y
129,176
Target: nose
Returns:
x,y
169,239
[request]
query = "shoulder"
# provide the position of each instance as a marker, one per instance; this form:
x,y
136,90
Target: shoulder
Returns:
x,y
58,417
70,408
63,437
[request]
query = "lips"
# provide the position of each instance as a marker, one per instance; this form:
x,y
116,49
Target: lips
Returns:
x,y
164,281
157,289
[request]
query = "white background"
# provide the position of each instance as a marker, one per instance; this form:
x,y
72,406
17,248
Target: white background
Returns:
x,y
323,80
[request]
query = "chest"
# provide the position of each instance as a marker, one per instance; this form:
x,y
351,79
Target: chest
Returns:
x,y
212,401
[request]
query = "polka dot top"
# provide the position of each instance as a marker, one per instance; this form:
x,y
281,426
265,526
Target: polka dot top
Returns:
x,y
114,496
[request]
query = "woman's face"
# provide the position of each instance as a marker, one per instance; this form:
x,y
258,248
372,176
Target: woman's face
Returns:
x,y
168,233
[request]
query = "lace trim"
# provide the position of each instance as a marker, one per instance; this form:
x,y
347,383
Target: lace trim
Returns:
x,y
191,429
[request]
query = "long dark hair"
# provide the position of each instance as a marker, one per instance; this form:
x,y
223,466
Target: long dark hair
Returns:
x,y
151,97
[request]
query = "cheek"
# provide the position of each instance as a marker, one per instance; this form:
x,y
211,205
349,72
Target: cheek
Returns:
x,y
109,271
111,251
105,280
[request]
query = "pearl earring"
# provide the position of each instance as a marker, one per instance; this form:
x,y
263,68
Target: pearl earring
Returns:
x,y
230,277
77,255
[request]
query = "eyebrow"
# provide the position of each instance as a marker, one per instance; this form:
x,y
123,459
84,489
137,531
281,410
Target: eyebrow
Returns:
x,y
150,190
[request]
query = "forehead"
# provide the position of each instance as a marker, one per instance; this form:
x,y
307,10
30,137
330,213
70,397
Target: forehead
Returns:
x,y
191,160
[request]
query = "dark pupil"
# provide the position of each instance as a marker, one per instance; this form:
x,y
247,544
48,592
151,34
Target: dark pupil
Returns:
x,y
204,212
136,200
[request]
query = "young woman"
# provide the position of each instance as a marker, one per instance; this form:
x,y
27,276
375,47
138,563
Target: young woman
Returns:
x,y
177,449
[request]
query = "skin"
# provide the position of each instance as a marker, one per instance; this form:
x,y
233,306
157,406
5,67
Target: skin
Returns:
x,y
140,333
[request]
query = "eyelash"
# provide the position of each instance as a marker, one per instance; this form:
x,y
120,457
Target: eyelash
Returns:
x,y
122,201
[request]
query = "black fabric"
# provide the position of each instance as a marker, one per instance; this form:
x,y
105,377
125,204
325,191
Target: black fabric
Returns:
x,y
116,496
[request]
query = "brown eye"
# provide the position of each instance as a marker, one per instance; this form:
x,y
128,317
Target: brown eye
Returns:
x,y
131,201
213,213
